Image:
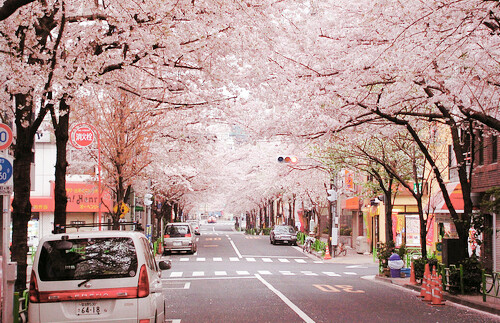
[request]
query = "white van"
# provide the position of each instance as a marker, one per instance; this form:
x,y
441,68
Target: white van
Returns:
x,y
105,276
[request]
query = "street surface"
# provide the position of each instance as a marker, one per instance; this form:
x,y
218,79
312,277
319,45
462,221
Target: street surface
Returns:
x,y
241,278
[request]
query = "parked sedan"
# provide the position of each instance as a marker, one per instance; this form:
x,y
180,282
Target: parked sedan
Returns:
x,y
283,234
179,236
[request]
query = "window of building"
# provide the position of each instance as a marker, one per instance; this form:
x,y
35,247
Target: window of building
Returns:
x,y
480,151
494,149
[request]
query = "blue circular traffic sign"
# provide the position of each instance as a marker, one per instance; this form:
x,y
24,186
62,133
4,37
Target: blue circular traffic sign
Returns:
x,y
5,170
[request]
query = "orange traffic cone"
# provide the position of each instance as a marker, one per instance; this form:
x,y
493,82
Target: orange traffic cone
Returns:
x,y
424,286
327,253
428,288
437,294
413,280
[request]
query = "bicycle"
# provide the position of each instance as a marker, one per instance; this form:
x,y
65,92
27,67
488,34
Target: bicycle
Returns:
x,y
307,247
340,250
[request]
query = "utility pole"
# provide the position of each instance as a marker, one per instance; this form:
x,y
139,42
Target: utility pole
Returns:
x,y
333,224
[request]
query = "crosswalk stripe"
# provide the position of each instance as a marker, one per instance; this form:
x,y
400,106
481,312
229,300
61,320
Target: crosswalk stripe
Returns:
x,y
180,274
309,273
287,273
332,274
242,272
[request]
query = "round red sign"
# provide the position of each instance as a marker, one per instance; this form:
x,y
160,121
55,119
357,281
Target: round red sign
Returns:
x,y
5,136
82,136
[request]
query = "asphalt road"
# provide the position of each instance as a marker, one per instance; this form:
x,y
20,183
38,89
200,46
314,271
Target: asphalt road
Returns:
x,y
239,278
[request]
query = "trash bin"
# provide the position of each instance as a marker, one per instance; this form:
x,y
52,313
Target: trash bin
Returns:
x,y
395,264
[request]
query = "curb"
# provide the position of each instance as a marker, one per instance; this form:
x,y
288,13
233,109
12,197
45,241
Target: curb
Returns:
x,y
448,297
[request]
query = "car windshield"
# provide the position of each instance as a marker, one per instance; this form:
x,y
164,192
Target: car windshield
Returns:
x,y
177,230
284,229
96,258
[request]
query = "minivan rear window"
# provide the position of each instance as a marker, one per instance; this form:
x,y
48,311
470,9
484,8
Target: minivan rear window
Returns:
x,y
95,258
177,230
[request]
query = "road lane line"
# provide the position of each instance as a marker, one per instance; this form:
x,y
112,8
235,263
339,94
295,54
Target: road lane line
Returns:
x,y
294,307
198,273
301,261
331,274
236,250
251,259
176,274
267,260
217,259
184,259
283,260
220,273
234,259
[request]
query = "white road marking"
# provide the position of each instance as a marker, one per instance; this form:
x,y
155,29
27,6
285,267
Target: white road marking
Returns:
x,y
309,273
267,260
198,273
173,321
200,259
233,259
301,261
287,273
264,272
220,273
236,250
331,274
294,307
318,262
251,259
355,266
283,260
217,259
176,274
242,272
349,273
369,277
184,259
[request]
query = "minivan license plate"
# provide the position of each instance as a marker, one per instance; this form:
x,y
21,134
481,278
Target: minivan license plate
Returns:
x,y
88,308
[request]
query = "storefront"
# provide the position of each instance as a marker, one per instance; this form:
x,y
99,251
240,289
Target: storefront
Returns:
x,y
82,208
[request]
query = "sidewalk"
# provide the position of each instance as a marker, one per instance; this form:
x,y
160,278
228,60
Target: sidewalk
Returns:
x,y
492,304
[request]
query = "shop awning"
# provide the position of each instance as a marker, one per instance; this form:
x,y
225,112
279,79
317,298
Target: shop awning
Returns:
x,y
437,204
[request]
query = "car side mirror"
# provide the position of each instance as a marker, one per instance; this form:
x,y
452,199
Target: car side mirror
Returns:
x,y
165,264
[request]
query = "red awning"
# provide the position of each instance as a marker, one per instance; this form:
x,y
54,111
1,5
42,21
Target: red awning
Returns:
x,y
437,204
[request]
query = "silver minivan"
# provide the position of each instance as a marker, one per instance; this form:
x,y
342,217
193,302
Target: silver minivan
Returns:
x,y
179,236
105,276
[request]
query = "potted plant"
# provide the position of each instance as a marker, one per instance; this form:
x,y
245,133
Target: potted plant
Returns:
x,y
384,251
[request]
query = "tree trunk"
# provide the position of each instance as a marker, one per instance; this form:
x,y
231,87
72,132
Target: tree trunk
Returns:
x,y
21,206
388,214
60,197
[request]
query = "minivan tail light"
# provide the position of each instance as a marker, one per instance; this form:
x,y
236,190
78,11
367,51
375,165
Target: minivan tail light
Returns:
x,y
188,235
34,293
143,285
